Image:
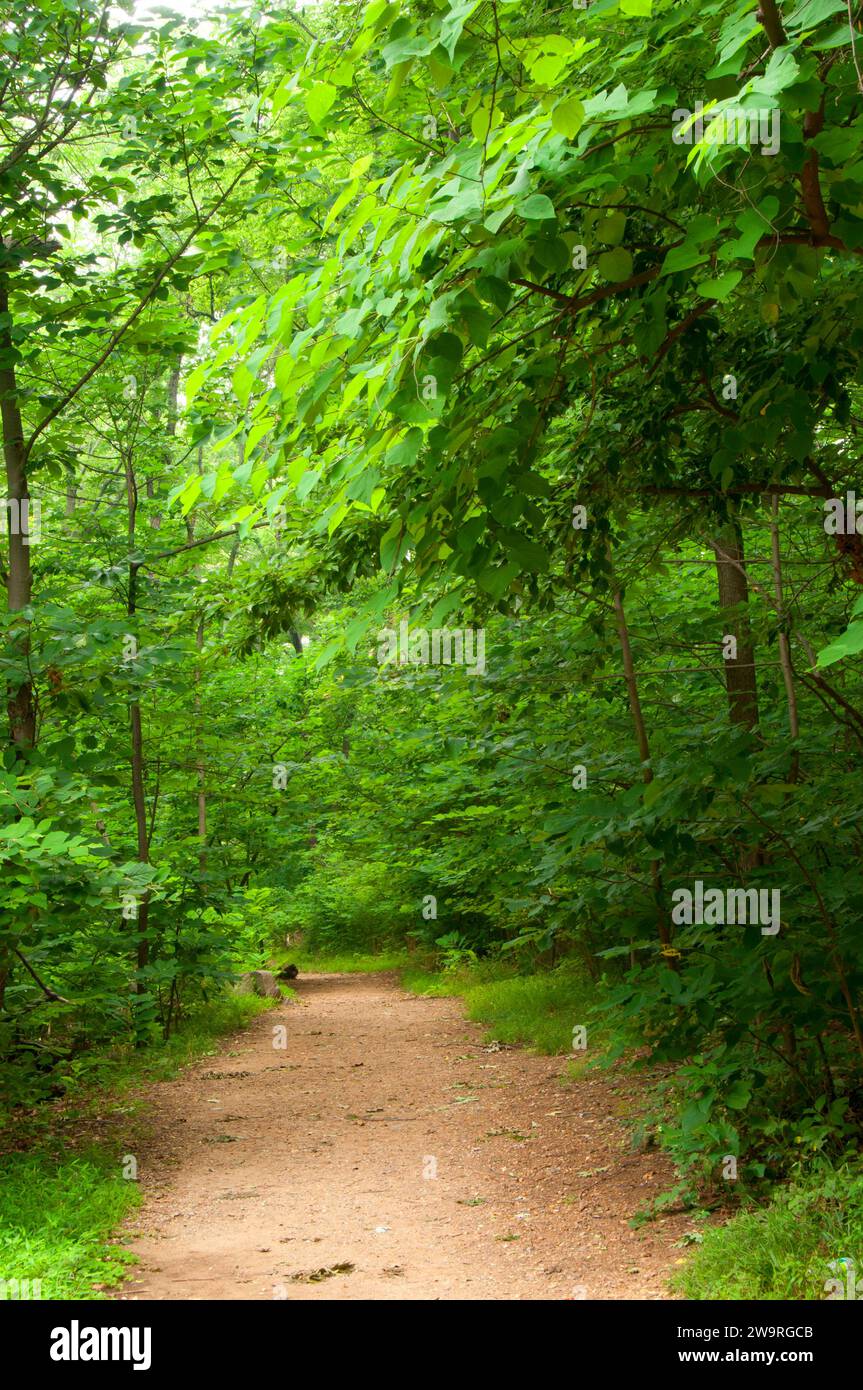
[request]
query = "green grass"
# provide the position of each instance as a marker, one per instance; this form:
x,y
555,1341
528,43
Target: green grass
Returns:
x,y
57,1213
344,962
539,1011
56,1220
783,1250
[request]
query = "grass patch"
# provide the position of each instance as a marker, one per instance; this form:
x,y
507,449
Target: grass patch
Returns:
x,y
57,1213
784,1250
539,1011
56,1220
344,962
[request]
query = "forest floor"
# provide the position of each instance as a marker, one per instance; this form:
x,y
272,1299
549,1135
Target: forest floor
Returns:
x,y
388,1153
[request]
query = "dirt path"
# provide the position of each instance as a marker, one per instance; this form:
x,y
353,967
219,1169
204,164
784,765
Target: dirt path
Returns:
x,y
387,1138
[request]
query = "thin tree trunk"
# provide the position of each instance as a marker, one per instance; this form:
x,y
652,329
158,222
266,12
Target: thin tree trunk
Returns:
x,y
137,740
644,753
784,645
201,763
139,802
733,602
19,585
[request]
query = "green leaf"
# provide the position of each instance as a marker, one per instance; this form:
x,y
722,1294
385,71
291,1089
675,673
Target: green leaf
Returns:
x,y
242,382
531,556
466,203
536,208
453,23
567,117
812,12
400,72
781,71
195,381
615,265
329,652
738,1096
283,92
721,287
752,226
611,228
849,644
336,517
393,545
308,480
443,608
319,99
683,257
652,791
496,579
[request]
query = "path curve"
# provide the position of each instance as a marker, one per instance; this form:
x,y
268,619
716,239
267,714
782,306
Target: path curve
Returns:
x,y
385,1137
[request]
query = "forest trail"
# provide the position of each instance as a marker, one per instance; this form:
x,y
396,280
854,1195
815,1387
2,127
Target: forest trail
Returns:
x,y
265,1166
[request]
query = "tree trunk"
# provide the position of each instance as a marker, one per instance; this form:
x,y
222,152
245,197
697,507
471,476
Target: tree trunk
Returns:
x,y
200,761
137,740
662,923
20,701
740,679
201,765
139,802
784,645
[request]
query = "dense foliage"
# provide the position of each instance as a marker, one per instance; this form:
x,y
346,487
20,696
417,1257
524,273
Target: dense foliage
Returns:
x,y
323,331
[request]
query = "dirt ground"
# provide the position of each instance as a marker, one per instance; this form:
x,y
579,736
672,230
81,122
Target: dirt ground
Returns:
x,y
384,1151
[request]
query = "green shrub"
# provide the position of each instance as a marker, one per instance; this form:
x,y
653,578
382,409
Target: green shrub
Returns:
x,y
787,1249
55,1221
348,907
538,1010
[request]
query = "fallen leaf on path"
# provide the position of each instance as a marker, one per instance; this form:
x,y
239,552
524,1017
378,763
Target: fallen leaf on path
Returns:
x,y
317,1276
